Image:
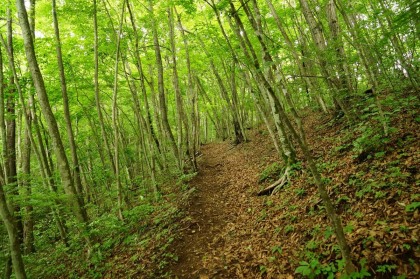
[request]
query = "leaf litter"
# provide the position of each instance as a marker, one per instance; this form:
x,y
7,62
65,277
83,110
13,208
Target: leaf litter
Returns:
x,y
232,233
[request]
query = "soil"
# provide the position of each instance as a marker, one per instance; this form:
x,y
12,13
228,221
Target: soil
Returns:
x,y
222,167
230,232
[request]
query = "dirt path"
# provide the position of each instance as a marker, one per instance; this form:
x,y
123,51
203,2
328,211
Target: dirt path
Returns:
x,y
222,168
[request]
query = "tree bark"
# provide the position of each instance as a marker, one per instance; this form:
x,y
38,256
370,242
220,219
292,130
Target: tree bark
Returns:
x,y
14,241
335,219
46,173
63,165
10,159
318,37
115,124
5,213
192,95
181,119
66,107
96,82
161,88
149,142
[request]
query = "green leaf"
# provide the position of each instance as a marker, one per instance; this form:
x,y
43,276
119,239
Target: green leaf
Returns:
x,y
412,206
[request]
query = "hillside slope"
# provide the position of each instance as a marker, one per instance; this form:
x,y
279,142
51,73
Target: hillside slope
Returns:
x,y
230,232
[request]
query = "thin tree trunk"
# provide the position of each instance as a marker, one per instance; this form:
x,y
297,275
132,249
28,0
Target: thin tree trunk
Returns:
x,y
321,47
46,172
2,117
14,241
371,73
397,44
232,102
192,95
337,43
115,125
96,82
161,88
335,219
66,107
28,232
63,165
29,223
181,119
299,61
289,155
10,159
149,140
5,213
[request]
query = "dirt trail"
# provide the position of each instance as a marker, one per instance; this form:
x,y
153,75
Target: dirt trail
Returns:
x,y
222,168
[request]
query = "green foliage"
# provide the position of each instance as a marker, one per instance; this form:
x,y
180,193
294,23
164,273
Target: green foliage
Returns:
x,y
362,273
327,166
188,5
289,228
369,142
328,232
300,192
185,178
314,268
138,213
295,167
412,206
385,268
270,173
276,250
312,245
263,269
105,229
349,228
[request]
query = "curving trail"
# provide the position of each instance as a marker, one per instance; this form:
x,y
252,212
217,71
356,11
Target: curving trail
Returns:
x,y
212,210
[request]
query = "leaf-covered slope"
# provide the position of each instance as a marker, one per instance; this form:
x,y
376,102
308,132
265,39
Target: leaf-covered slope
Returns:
x,y
373,180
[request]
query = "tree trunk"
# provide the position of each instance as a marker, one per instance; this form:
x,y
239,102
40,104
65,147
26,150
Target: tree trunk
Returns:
x,y
66,108
335,219
115,124
46,173
312,85
161,88
96,82
63,165
181,119
317,34
149,142
29,222
28,232
5,213
10,159
289,155
192,95
232,102
3,170
14,241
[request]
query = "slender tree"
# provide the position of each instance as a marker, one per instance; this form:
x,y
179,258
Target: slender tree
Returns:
x,y
63,165
161,87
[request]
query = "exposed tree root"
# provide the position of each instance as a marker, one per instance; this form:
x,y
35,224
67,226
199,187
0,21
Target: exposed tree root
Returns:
x,y
276,186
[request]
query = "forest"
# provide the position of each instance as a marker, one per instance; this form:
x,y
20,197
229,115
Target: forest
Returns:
x,y
209,139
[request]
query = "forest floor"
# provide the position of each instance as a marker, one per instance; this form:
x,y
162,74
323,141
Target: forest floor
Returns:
x,y
214,225
230,232
226,172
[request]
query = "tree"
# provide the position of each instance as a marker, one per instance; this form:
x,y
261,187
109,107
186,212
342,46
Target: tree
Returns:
x,y
63,165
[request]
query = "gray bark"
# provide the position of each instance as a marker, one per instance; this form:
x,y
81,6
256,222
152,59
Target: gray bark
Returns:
x,y
63,165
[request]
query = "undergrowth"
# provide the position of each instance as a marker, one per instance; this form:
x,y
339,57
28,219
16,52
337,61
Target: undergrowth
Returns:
x,y
137,246
372,181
